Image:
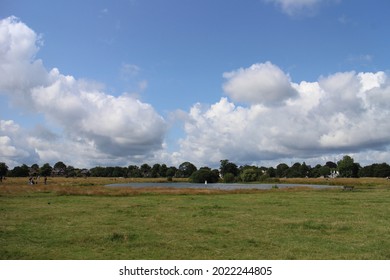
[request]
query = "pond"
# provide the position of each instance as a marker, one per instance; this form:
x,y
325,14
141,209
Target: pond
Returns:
x,y
218,186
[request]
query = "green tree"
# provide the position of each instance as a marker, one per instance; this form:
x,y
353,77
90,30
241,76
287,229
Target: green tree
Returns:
x,y
3,170
324,171
146,170
229,178
281,170
204,175
347,167
45,170
380,170
156,170
228,167
271,172
294,171
185,170
34,170
98,171
171,171
331,165
118,172
163,170
133,171
20,171
249,175
70,171
304,170
59,169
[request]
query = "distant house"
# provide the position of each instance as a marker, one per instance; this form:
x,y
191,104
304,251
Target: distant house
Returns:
x,y
334,174
58,172
84,172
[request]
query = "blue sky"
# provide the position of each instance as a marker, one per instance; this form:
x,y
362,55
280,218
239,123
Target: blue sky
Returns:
x,y
257,81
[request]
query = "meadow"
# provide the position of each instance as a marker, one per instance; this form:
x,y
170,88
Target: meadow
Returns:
x,y
81,219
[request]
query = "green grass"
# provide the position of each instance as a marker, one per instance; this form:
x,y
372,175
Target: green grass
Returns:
x,y
47,223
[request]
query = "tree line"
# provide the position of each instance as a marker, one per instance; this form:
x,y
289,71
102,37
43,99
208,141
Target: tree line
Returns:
x,y
227,172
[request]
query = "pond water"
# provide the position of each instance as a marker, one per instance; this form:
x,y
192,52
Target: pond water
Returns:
x,y
217,186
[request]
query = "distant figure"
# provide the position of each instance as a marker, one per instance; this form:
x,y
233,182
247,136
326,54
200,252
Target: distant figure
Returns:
x,y
31,181
1,178
45,180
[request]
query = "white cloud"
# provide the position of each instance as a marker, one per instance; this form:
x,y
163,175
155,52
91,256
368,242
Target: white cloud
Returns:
x,y
19,71
297,7
341,113
13,145
91,119
262,83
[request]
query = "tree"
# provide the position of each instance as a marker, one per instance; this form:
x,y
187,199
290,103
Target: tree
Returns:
x,y
331,164
70,171
156,170
45,170
204,175
324,171
229,178
3,170
381,170
294,171
171,171
133,171
281,170
185,170
271,172
146,170
249,175
20,171
304,170
347,167
34,170
228,167
59,169
118,172
98,171
163,170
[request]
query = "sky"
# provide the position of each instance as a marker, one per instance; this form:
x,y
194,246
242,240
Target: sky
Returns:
x,y
114,83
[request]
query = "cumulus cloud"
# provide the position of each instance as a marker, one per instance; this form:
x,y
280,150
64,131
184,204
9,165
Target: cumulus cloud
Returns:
x,y
91,119
341,113
297,7
262,83
13,144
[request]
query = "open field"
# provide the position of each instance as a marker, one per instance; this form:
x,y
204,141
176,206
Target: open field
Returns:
x,y
81,219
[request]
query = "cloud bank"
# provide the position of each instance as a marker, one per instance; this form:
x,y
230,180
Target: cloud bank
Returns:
x,y
341,113
92,122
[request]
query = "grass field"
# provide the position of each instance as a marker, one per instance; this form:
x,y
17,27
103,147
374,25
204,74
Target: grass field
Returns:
x,y
82,219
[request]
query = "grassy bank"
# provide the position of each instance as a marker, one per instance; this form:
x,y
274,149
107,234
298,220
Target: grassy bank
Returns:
x,y
81,219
